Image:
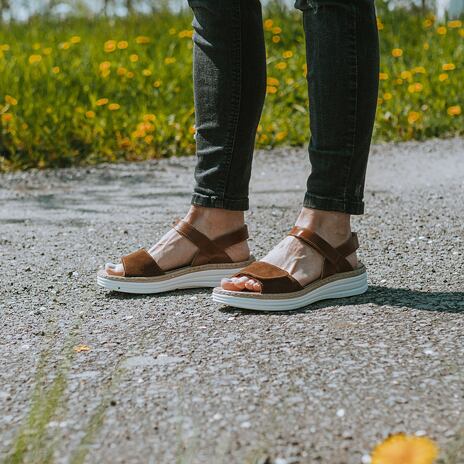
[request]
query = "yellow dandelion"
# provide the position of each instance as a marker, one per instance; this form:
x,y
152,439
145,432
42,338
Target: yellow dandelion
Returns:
x,y
149,139
271,89
263,138
441,30
454,110
268,24
276,38
405,449
147,72
416,87
81,348
123,44
426,46
454,24
65,46
383,76
290,81
413,117
169,60
138,134
36,46
287,54
461,32
281,65
379,101
187,34
121,71
105,73
56,70
442,77
47,51
11,100
90,114
427,23
276,30
157,84
75,39
125,143
387,96
130,75
7,117
448,67
34,59
149,117
406,75
398,81
272,81
4,47
142,40
134,58
397,52
109,46
114,106
380,24
101,102
105,65
419,70
281,136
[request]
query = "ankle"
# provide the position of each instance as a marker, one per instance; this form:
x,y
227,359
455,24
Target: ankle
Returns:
x,y
333,226
214,221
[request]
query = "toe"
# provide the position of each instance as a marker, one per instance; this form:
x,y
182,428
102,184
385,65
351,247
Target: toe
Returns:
x,y
114,269
234,283
252,285
228,284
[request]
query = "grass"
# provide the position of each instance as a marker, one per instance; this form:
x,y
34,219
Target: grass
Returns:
x,y
84,91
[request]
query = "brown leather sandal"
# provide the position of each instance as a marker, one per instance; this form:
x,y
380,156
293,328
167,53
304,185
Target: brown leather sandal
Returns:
x,y
209,265
282,292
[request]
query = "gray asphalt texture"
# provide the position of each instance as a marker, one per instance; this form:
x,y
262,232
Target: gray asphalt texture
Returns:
x,y
178,378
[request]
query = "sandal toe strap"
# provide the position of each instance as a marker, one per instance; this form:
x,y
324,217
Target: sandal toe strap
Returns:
x,y
272,278
140,264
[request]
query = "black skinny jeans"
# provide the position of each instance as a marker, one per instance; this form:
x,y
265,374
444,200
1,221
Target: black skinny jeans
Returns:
x,y
342,54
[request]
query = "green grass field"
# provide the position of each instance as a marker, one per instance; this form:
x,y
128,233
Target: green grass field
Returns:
x,y
84,91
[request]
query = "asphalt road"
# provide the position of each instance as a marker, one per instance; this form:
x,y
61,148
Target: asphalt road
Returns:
x,y
177,378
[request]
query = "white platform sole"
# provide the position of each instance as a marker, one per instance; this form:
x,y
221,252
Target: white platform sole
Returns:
x,y
339,288
188,279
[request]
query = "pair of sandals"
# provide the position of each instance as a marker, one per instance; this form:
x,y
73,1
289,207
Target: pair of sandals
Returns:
x,y
279,290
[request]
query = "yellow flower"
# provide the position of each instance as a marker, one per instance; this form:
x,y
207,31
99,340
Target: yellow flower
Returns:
x,y
287,54
398,81
65,45
56,70
281,135
441,30
281,65
149,117
101,102
305,69
130,75
427,23
383,76
114,106
448,67
121,71
105,73
419,70
405,449
149,139
75,39
142,40
406,75
379,101
36,46
461,32
276,38
426,46
380,25
33,59
413,117
134,58
186,34
454,24
157,84
146,72
272,81
387,96
109,46
90,114
442,77
454,110
172,31
80,348
123,44
397,52
105,65
268,24
11,100
47,51
7,117
4,47
276,30
263,138
169,60
271,89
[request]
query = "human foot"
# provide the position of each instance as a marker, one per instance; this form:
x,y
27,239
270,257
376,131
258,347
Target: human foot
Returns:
x,y
174,250
291,254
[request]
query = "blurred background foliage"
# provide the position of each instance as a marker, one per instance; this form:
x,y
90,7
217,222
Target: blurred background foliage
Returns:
x,y
112,82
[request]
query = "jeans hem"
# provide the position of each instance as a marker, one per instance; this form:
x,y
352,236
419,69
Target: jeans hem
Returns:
x,y
206,201
333,204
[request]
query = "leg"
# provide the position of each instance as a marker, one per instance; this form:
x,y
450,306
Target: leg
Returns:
x,y
342,56
229,70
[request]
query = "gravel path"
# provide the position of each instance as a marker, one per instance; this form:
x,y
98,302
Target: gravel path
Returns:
x,y
177,378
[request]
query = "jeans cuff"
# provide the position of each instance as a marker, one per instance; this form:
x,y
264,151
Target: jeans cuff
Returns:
x,y
348,206
207,201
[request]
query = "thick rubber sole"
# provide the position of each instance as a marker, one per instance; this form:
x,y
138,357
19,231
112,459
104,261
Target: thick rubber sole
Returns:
x,y
203,278
336,287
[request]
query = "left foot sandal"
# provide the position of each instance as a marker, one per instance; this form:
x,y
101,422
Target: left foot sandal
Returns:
x,y
282,292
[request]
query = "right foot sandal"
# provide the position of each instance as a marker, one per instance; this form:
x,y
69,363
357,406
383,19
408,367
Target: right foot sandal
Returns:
x,y
209,265
282,292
